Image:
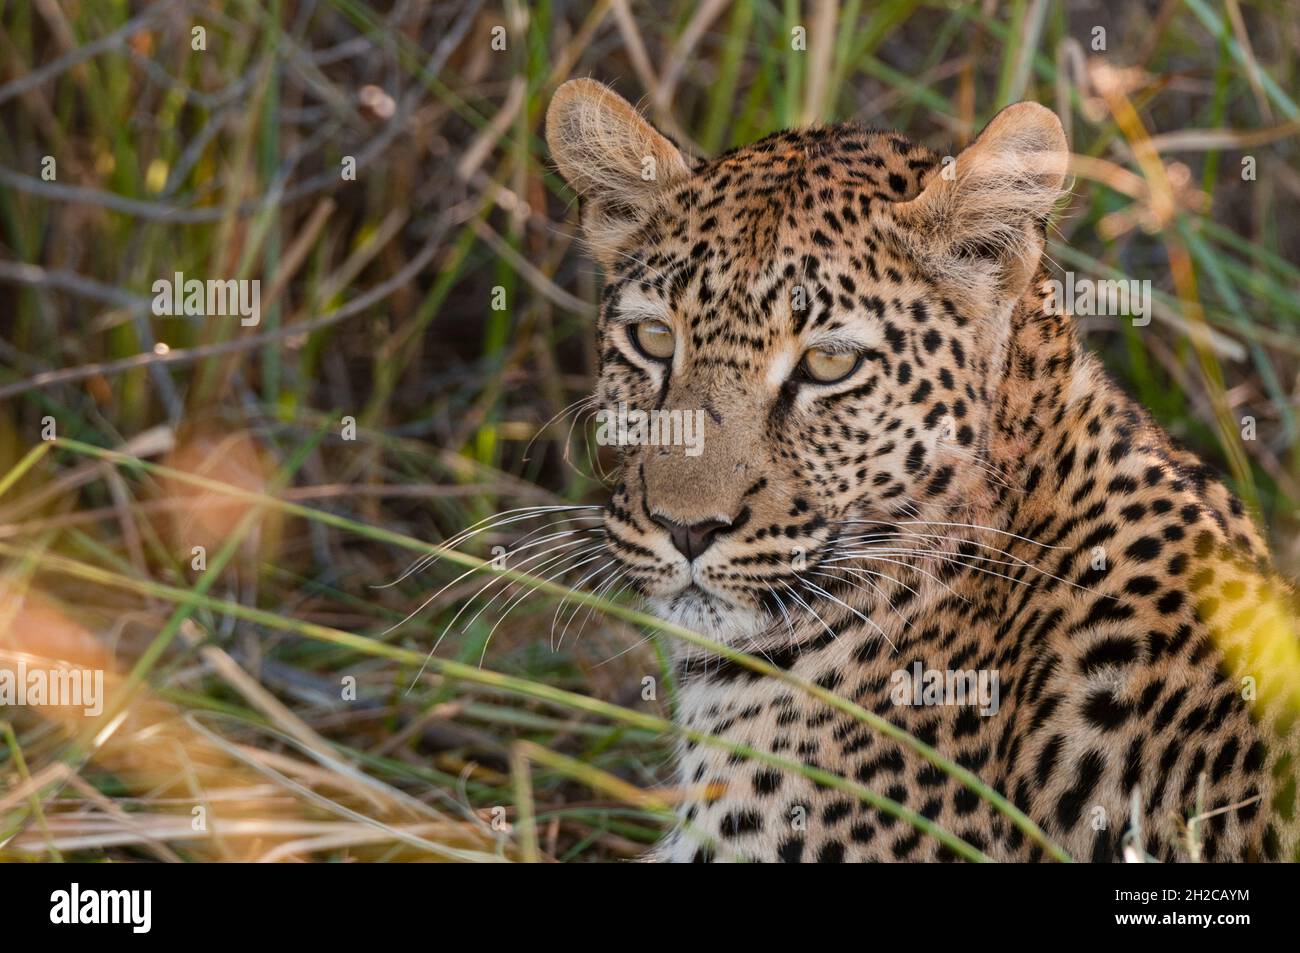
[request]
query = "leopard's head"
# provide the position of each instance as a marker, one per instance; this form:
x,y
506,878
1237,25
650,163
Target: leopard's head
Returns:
x,y
829,307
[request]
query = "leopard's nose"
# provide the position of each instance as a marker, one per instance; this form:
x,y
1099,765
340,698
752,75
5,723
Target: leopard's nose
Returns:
x,y
693,539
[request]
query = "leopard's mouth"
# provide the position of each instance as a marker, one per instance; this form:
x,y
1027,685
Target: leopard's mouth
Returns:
x,y
697,586
695,595
705,587
709,613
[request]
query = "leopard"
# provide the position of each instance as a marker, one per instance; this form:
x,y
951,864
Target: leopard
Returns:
x,y
913,476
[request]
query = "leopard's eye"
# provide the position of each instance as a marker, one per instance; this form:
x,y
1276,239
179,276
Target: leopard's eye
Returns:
x,y
654,339
827,367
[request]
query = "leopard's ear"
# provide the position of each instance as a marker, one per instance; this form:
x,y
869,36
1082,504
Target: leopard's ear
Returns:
x,y
612,157
979,223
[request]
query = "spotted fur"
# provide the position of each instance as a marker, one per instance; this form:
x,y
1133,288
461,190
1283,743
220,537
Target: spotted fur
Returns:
x,y
976,495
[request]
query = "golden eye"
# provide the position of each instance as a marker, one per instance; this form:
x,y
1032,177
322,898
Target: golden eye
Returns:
x,y
654,339
827,367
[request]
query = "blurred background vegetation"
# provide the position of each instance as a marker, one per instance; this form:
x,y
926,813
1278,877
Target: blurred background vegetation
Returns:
x,y
274,704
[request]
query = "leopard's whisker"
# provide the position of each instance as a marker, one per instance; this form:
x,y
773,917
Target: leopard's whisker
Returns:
x,y
940,555
831,556
838,541
574,408
509,517
593,590
593,459
527,589
525,594
869,554
470,601
527,512
474,569
978,462
875,588
871,622
599,593
536,572
800,601
596,592
841,547
918,522
781,603
617,655
564,600
754,643
509,607
949,554
857,570
527,542
611,598
565,549
580,420
961,560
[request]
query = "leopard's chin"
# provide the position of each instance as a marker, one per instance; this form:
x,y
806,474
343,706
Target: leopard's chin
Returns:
x,y
700,611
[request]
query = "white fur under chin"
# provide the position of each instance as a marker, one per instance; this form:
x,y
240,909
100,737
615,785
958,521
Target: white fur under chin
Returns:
x,y
709,616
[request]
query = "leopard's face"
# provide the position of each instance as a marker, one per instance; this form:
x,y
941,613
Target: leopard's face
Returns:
x,y
812,370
